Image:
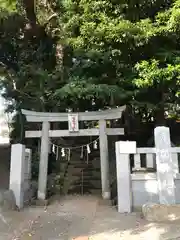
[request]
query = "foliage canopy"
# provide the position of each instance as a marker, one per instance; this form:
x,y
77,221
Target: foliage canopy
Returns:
x,y
85,55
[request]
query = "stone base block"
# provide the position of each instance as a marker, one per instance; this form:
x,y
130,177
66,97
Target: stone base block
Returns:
x,y
7,200
161,213
40,203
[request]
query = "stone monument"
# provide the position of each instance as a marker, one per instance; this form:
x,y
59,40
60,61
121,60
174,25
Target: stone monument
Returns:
x,y
164,166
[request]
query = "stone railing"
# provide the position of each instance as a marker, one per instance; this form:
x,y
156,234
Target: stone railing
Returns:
x,y
143,160
158,187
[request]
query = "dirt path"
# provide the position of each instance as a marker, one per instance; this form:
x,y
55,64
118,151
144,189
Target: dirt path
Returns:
x,y
82,218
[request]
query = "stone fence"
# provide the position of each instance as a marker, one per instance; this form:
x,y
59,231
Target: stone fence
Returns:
x,y
154,177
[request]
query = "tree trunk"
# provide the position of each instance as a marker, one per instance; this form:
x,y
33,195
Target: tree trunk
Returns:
x,y
160,110
32,28
160,116
29,6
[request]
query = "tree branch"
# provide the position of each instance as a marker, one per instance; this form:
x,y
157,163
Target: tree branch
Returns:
x,y
54,15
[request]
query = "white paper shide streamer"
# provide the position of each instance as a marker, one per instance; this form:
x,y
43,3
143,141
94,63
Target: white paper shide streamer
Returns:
x,y
82,152
62,152
57,153
66,152
95,144
69,154
53,148
88,149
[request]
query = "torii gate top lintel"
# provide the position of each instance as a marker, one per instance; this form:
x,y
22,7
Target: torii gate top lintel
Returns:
x,y
32,116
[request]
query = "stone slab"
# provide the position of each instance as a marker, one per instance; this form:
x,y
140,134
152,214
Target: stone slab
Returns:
x,y
165,171
123,181
161,213
16,183
127,147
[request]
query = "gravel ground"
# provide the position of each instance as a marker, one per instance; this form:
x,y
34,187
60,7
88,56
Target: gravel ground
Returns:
x,y
82,218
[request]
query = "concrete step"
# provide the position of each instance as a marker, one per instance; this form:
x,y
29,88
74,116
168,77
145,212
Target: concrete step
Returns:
x,y
91,177
93,183
91,158
91,169
75,171
85,173
82,165
85,168
87,186
77,161
79,189
88,179
96,192
71,179
86,176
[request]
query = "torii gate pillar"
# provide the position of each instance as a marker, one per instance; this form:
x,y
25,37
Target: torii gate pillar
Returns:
x,y
43,164
105,181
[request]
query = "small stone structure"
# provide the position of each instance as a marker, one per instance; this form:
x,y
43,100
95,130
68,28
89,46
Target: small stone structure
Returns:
x,y
161,212
7,200
139,188
20,173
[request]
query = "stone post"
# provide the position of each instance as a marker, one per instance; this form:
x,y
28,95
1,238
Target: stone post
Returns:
x,y
16,183
105,182
150,161
27,172
28,159
43,165
175,166
165,175
124,191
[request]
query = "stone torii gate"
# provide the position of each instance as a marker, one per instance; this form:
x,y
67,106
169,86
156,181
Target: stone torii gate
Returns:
x,y
46,133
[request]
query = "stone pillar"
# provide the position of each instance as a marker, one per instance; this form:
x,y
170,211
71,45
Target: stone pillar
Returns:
x,y
43,165
124,191
150,162
16,183
27,172
28,159
175,166
105,182
165,175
